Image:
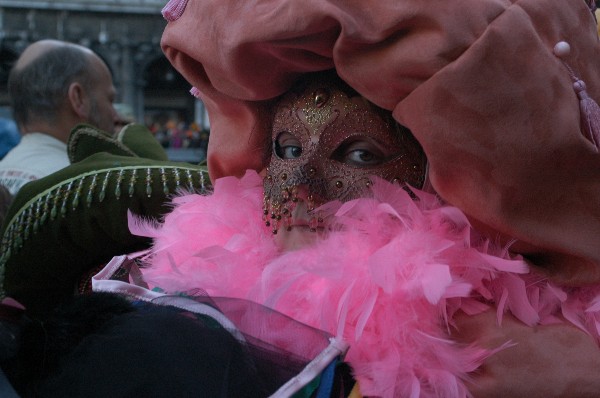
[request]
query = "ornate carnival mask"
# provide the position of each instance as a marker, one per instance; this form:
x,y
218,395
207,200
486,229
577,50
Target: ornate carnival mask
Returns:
x,y
327,143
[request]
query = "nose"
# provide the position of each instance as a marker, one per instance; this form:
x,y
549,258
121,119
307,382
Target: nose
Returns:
x,y
303,192
312,187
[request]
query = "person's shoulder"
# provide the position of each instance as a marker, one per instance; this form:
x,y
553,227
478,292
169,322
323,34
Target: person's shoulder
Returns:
x,y
42,138
35,156
14,180
12,156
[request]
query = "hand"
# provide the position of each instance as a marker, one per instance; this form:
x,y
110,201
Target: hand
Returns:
x,y
545,361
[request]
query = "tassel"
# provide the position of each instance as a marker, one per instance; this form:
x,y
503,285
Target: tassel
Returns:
x,y
590,113
589,109
174,9
195,92
592,6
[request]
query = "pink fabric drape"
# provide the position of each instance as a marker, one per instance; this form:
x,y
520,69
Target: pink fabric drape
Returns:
x,y
475,80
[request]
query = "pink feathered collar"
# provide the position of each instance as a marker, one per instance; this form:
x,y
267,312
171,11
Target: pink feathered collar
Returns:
x,y
387,280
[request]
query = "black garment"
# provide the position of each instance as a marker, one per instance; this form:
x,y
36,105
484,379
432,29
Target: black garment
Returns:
x,y
103,345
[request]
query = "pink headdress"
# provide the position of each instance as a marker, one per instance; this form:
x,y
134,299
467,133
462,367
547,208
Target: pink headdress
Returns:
x,y
482,91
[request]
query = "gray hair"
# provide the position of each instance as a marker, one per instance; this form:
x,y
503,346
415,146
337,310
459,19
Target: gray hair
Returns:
x,y
38,89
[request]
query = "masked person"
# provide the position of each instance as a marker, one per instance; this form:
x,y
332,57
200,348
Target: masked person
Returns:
x,y
339,236
492,91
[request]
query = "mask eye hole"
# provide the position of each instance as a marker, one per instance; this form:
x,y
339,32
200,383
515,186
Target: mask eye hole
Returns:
x,y
362,151
287,146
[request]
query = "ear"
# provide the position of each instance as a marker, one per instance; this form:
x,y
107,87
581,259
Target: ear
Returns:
x,y
79,100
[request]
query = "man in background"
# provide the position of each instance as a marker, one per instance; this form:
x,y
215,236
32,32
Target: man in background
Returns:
x,y
53,87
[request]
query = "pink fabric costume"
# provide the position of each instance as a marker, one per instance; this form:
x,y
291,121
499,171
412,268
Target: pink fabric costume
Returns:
x,y
476,81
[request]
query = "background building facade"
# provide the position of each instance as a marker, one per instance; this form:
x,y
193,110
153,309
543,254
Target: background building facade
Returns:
x,y
126,34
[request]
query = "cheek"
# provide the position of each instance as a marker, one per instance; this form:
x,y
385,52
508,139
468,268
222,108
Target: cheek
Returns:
x,y
334,180
108,110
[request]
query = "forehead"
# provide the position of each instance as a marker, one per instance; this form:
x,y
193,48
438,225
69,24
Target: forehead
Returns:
x,y
324,112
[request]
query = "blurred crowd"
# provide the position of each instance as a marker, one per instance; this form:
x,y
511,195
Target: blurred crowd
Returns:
x,y
180,135
172,134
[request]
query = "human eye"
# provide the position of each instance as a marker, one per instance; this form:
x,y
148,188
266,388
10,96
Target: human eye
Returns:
x,y
360,152
361,156
287,146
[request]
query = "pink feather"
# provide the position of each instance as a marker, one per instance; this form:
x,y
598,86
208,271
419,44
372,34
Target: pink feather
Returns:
x,y
387,279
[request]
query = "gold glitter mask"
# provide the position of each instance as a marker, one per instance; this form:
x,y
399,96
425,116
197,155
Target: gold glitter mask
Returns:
x,y
327,142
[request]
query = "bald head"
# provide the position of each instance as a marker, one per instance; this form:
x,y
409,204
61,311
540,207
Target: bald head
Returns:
x,y
36,50
41,82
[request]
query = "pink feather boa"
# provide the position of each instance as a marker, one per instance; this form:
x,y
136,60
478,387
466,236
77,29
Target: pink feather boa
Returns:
x,y
387,279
